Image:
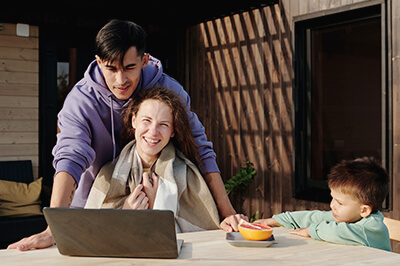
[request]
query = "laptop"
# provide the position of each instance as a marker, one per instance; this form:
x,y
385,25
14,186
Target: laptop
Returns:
x,y
114,232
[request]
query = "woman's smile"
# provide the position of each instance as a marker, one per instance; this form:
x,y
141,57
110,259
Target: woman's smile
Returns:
x,y
151,141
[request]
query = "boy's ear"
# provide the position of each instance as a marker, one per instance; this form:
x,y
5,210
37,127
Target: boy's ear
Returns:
x,y
365,211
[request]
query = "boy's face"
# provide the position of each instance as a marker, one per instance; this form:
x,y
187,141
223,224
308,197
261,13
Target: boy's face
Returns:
x,y
347,209
123,80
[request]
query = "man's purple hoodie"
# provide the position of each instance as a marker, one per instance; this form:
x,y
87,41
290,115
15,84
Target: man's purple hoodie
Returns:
x,y
89,135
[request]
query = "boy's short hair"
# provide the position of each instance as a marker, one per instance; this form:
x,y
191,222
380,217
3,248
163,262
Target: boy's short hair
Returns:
x,y
116,37
364,179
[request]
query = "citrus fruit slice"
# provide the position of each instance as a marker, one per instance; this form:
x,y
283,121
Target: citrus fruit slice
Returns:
x,y
255,232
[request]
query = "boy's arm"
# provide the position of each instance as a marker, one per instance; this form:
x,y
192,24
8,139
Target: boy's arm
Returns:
x,y
339,233
302,219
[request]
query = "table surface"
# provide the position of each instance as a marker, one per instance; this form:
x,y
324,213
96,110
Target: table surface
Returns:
x,y
212,248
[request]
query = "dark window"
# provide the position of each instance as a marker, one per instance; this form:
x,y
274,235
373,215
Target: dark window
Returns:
x,y
341,96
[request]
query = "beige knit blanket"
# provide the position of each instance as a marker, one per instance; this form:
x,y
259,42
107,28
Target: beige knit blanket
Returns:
x,y
181,188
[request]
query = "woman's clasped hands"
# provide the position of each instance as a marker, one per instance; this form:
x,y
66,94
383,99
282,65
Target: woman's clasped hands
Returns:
x,y
143,196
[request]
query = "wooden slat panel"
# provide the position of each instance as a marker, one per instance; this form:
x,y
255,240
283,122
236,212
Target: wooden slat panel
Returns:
x,y
19,77
18,149
24,54
19,101
19,125
8,65
18,89
19,42
19,95
19,138
19,113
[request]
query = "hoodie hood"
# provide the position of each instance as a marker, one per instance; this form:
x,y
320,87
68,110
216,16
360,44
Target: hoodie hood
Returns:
x,y
94,77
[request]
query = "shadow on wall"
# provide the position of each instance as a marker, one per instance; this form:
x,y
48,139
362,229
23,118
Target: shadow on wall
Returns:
x,y
240,82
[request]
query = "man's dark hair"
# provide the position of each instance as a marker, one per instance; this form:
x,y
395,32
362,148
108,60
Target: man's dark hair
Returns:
x,y
116,37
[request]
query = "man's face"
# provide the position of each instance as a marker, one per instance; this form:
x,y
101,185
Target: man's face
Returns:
x,y
123,80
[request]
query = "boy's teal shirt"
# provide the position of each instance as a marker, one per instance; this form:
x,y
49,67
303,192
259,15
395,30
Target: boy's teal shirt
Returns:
x,y
369,231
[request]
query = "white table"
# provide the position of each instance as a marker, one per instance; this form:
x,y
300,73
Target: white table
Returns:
x,y
211,248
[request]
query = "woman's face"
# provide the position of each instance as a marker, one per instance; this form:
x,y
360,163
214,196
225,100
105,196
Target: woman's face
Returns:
x,y
154,127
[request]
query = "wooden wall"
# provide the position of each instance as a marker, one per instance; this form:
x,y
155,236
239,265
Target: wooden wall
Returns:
x,y
238,71
19,95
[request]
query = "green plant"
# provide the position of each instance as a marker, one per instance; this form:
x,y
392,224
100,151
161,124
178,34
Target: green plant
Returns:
x,y
254,217
241,180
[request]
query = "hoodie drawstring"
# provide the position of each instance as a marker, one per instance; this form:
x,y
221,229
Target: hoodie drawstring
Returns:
x,y
112,130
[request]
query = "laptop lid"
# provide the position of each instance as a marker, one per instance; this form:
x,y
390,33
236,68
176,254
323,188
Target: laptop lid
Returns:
x,y
114,232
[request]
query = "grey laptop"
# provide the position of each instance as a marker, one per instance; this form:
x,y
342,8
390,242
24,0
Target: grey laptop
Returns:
x,y
114,232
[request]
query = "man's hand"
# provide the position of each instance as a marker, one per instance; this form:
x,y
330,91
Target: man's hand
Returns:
x,y
300,232
63,192
231,223
42,240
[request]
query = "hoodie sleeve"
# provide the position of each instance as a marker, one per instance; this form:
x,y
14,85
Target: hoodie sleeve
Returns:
x,y
206,152
73,152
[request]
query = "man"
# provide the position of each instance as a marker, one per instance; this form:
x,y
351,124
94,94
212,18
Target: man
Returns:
x,y
90,123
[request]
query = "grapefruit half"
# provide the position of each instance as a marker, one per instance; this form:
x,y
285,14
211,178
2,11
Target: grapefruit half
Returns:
x,y
255,232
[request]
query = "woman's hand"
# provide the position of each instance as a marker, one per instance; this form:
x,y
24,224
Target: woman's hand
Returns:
x,y
137,199
150,186
231,222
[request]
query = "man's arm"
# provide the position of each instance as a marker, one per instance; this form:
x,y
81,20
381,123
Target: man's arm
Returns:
x,y
63,192
225,208
214,182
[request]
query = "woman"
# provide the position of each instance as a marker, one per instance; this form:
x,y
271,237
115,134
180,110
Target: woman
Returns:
x,y
156,169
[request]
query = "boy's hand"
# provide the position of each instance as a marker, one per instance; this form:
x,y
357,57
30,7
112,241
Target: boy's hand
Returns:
x,y
300,232
269,221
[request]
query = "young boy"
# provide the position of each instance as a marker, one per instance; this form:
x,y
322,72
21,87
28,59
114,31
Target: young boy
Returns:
x,y
358,189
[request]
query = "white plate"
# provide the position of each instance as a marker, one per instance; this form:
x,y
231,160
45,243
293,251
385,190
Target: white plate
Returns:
x,y
237,240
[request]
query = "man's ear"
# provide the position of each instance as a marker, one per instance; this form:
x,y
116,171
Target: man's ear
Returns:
x,y
99,61
365,211
145,60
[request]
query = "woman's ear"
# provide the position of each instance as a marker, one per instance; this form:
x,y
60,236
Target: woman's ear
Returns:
x,y
133,121
365,211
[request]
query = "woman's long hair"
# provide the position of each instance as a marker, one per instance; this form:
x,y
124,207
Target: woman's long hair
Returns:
x,y
183,139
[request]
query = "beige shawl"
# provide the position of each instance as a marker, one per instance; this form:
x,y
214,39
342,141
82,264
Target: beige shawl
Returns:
x,y
181,187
